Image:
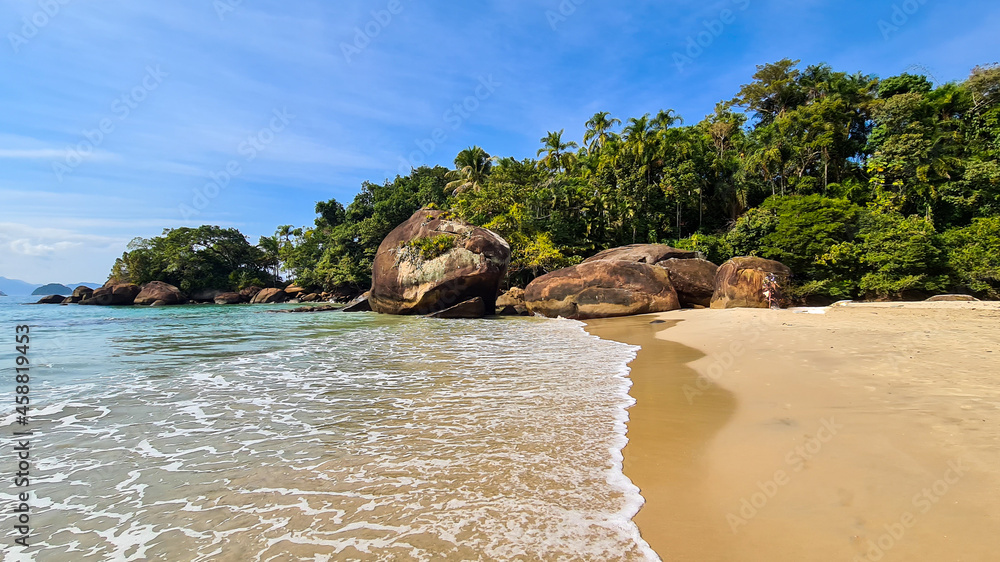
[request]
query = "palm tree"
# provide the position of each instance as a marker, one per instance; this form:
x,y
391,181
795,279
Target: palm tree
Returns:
x,y
556,151
270,247
641,140
598,130
639,133
472,166
666,119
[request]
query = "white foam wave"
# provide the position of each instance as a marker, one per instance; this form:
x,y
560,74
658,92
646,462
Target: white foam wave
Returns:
x,y
403,439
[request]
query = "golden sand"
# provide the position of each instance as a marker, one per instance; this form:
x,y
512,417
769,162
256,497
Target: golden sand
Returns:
x,y
867,432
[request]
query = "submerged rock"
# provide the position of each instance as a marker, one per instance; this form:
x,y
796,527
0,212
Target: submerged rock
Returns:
x,y
750,282
601,289
359,304
434,261
325,308
693,279
472,308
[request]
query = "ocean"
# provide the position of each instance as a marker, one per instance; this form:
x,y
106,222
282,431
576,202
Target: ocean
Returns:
x,y
232,433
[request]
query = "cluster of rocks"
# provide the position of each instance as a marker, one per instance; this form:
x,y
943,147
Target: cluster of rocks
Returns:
x,y
439,266
462,280
644,278
158,293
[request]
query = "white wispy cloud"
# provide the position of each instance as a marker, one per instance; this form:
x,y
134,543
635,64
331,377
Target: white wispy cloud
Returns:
x,y
20,153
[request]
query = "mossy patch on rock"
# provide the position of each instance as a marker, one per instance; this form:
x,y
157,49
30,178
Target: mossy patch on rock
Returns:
x,y
431,247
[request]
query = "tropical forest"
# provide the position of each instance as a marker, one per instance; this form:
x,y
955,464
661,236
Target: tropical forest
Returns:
x,y
866,187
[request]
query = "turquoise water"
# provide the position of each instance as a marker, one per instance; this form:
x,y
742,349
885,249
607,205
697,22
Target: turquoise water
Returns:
x,y
230,433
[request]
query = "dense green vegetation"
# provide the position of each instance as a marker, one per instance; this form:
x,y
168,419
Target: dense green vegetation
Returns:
x,y
208,257
865,187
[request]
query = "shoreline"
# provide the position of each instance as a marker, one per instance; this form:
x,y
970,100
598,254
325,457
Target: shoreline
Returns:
x,y
782,435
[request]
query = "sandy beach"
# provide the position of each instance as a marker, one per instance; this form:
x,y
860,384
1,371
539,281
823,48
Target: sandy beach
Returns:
x,y
859,432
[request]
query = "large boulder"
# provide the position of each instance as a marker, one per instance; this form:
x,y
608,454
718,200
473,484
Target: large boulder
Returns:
x,y
51,299
434,261
229,298
155,291
82,292
642,253
270,296
749,282
248,293
113,294
601,289
294,291
693,279
952,298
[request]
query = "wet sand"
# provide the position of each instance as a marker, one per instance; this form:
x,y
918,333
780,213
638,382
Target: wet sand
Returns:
x,y
869,432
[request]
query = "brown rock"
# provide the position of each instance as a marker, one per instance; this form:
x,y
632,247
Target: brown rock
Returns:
x,y
311,297
741,283
359,304
601,289
693,279
229,298
472,308
513,297
270,296
120,294
159,291
124,294
325,308
642,253
100,297
71,300
511,310
82,292
248,293
469,262
952,298
51,299
294,290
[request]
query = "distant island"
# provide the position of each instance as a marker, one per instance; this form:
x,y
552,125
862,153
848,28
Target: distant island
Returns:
x,y
53,289
3,294
16,287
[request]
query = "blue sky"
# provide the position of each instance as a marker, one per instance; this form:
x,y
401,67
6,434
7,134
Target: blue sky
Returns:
x,y
120,118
